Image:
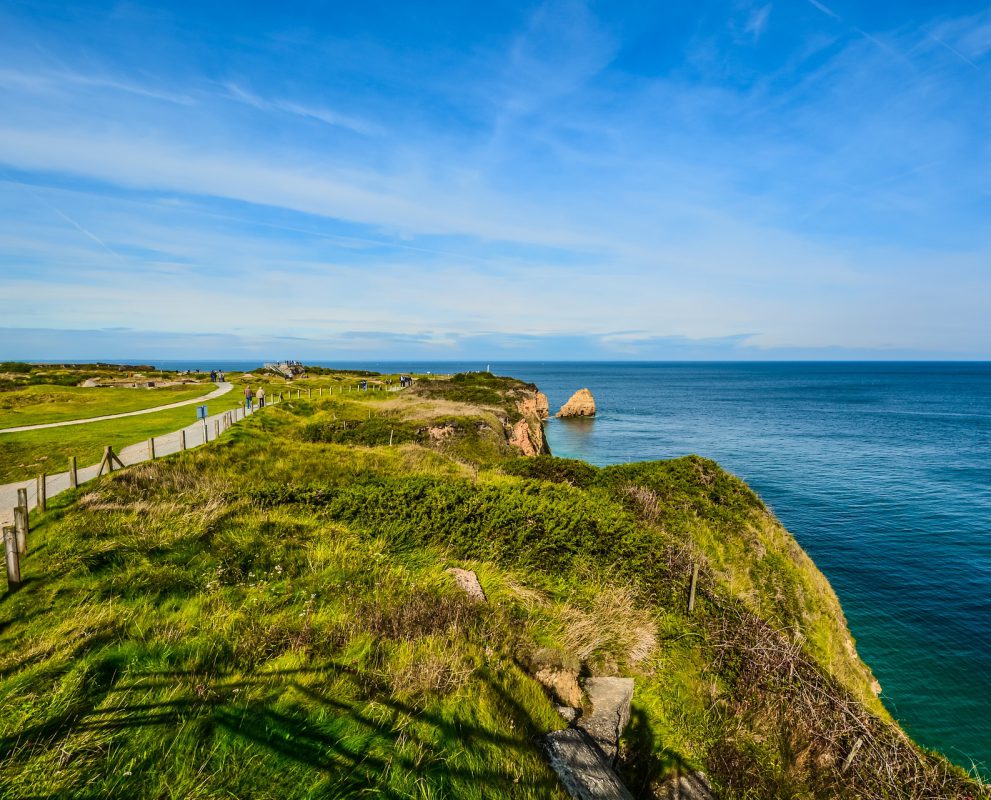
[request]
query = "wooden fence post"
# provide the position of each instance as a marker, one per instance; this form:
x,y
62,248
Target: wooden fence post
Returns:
x,y
182,439
73,474
42,487
151,449
21,529
22,498
109,457
853,754
390,437
12,559
216,429
321,392
691,591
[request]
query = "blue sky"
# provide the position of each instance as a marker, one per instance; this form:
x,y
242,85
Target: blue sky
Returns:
x,y
784,179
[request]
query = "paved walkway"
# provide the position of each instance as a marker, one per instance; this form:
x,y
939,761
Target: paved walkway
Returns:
x,y
222,389
195,435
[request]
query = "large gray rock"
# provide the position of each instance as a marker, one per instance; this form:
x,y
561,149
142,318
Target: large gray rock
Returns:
x,y
610,699
585,772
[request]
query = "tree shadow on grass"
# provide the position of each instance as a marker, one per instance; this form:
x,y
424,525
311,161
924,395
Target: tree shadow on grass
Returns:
x,y
356,745
644,767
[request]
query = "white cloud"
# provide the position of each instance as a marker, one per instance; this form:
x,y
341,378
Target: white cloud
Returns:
x,y
325,115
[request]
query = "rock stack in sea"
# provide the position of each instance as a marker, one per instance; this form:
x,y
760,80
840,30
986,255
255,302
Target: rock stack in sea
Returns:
x,y
581,404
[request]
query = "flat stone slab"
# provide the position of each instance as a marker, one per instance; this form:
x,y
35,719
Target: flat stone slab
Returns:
x,y
610,698
585,772
468,581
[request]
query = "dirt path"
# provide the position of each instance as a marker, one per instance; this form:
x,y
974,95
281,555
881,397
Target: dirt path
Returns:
x,y
222,389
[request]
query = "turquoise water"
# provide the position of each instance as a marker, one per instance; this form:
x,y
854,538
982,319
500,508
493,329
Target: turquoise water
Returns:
x,y
881,471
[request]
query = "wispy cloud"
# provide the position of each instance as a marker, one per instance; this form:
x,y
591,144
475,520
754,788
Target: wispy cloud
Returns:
x,y
757,21
62,215
69,80
556,172
825,9
325,115
968,38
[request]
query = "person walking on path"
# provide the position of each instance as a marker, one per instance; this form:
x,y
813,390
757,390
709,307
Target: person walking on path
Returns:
x,y
261,397
248,397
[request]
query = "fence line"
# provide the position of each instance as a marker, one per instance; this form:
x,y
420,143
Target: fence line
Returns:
x,y
47,486
16,536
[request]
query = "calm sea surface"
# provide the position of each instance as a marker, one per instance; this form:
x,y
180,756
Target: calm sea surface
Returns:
x,y
882,471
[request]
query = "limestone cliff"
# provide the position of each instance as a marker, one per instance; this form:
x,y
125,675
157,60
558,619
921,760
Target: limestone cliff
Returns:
x,y
543,406
527,434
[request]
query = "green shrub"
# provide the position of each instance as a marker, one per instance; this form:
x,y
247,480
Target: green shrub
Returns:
x,y
368,432
555,470
18,367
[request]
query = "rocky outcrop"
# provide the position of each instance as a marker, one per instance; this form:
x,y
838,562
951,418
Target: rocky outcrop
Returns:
x,y
581,404
527,434
562,684
440,433
522,439
543,406
557,672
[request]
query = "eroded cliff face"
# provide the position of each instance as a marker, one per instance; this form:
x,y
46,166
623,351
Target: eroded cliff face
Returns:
x,y
522,439
543,406
527,434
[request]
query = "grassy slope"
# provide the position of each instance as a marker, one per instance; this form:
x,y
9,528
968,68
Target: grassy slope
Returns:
x,y
270,617
37,405
27,453
23,455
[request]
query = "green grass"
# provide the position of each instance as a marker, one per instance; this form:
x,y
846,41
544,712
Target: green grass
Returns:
x,y
270,616
27,453
15,375
36,405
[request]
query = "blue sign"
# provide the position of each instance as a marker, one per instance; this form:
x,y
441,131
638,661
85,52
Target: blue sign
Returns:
x,y
200,412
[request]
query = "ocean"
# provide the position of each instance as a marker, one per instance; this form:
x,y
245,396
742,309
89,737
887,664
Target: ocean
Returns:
x,y
882,471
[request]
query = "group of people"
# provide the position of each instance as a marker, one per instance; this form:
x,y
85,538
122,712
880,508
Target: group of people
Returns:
x,y
405,380
216,375
250,396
